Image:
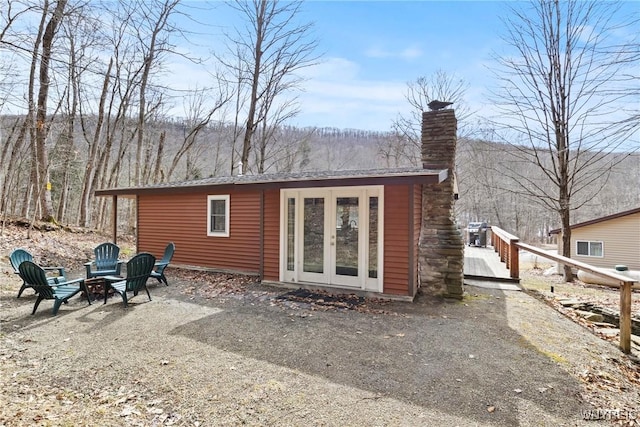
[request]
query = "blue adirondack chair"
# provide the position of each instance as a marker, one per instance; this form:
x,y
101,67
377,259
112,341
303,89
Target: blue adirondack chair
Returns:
x,y
138,272
60,292
106,261
158,271
18,256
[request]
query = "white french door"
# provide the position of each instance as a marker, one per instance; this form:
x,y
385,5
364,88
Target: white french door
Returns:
x,y
332,236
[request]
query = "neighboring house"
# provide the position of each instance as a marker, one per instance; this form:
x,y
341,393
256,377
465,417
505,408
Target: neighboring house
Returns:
x,y
349,229
386,232
606,242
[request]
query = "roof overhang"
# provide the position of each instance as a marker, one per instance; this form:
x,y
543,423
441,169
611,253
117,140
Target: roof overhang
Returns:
x,y
597,220
282,181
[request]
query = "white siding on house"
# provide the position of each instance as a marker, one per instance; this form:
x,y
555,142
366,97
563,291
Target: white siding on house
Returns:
x,y
620,238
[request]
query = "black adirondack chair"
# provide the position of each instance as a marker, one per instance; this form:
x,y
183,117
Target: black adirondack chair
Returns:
x,y
18,256
60,292
138,272
158,271
106,261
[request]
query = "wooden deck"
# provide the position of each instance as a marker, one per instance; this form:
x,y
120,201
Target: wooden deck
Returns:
x,y
483,264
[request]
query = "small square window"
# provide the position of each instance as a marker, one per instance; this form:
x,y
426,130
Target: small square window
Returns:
x,y
586,248
218,216
583,248
595,249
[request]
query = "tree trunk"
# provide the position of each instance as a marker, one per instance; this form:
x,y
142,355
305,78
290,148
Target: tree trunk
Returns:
x,y
255,80
566,240
153,49
90,167
11,176
29,120
42,164
67,159
157,170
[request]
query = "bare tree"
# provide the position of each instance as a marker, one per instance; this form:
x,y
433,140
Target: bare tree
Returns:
x,y
272,119
265,56
136,38
291,151
27,129
100,112
198,118
10,46
562,101
42,128
153,31
12,137
79,33
405,147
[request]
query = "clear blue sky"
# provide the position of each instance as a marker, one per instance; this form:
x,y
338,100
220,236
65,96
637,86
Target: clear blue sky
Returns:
x,y
371,49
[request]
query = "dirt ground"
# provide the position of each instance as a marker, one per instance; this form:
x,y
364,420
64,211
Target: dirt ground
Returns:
x,y
217,349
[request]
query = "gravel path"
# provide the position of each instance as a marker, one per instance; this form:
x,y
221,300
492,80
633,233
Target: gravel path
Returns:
x,y
222,355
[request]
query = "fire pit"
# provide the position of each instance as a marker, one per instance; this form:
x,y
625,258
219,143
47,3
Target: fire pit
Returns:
x,y
95,286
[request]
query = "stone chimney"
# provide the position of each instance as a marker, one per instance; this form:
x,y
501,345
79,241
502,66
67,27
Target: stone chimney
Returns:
x,y
441,247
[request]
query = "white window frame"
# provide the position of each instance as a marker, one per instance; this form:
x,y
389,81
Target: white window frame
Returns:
x,y
589,242
227,199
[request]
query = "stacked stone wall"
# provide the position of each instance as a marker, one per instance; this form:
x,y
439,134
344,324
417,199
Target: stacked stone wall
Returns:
x,y
441,247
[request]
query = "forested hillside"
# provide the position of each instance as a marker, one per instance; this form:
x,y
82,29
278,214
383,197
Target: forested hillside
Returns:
x,y
484,193
97,95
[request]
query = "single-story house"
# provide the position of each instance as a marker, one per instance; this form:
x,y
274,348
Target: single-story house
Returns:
x,y
354,230
607,241
383,232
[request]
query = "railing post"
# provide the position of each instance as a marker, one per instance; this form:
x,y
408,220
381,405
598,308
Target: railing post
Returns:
x,y
114,219
514,259
512,245
625,317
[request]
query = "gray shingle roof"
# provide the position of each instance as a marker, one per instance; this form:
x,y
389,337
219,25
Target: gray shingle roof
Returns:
x,y
598,220
285,178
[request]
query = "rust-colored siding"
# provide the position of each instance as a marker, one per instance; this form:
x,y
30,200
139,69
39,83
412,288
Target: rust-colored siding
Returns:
x,y
271,263
397,219
254,244
182,219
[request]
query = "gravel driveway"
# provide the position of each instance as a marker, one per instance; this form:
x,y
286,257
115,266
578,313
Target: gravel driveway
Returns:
x,y
245,357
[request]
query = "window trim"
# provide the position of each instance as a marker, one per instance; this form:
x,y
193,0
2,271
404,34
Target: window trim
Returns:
x,y
227,199
589,242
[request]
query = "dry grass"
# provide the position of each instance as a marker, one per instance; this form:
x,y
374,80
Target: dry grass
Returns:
x,y
553,287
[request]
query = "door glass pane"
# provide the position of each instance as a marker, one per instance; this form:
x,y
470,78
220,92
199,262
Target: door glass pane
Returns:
x,y
373,237
346,238
291,232
313,238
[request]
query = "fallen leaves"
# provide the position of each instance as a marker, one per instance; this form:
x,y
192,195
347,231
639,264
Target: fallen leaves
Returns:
x,y
69,247
137,406
246,287
608,382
